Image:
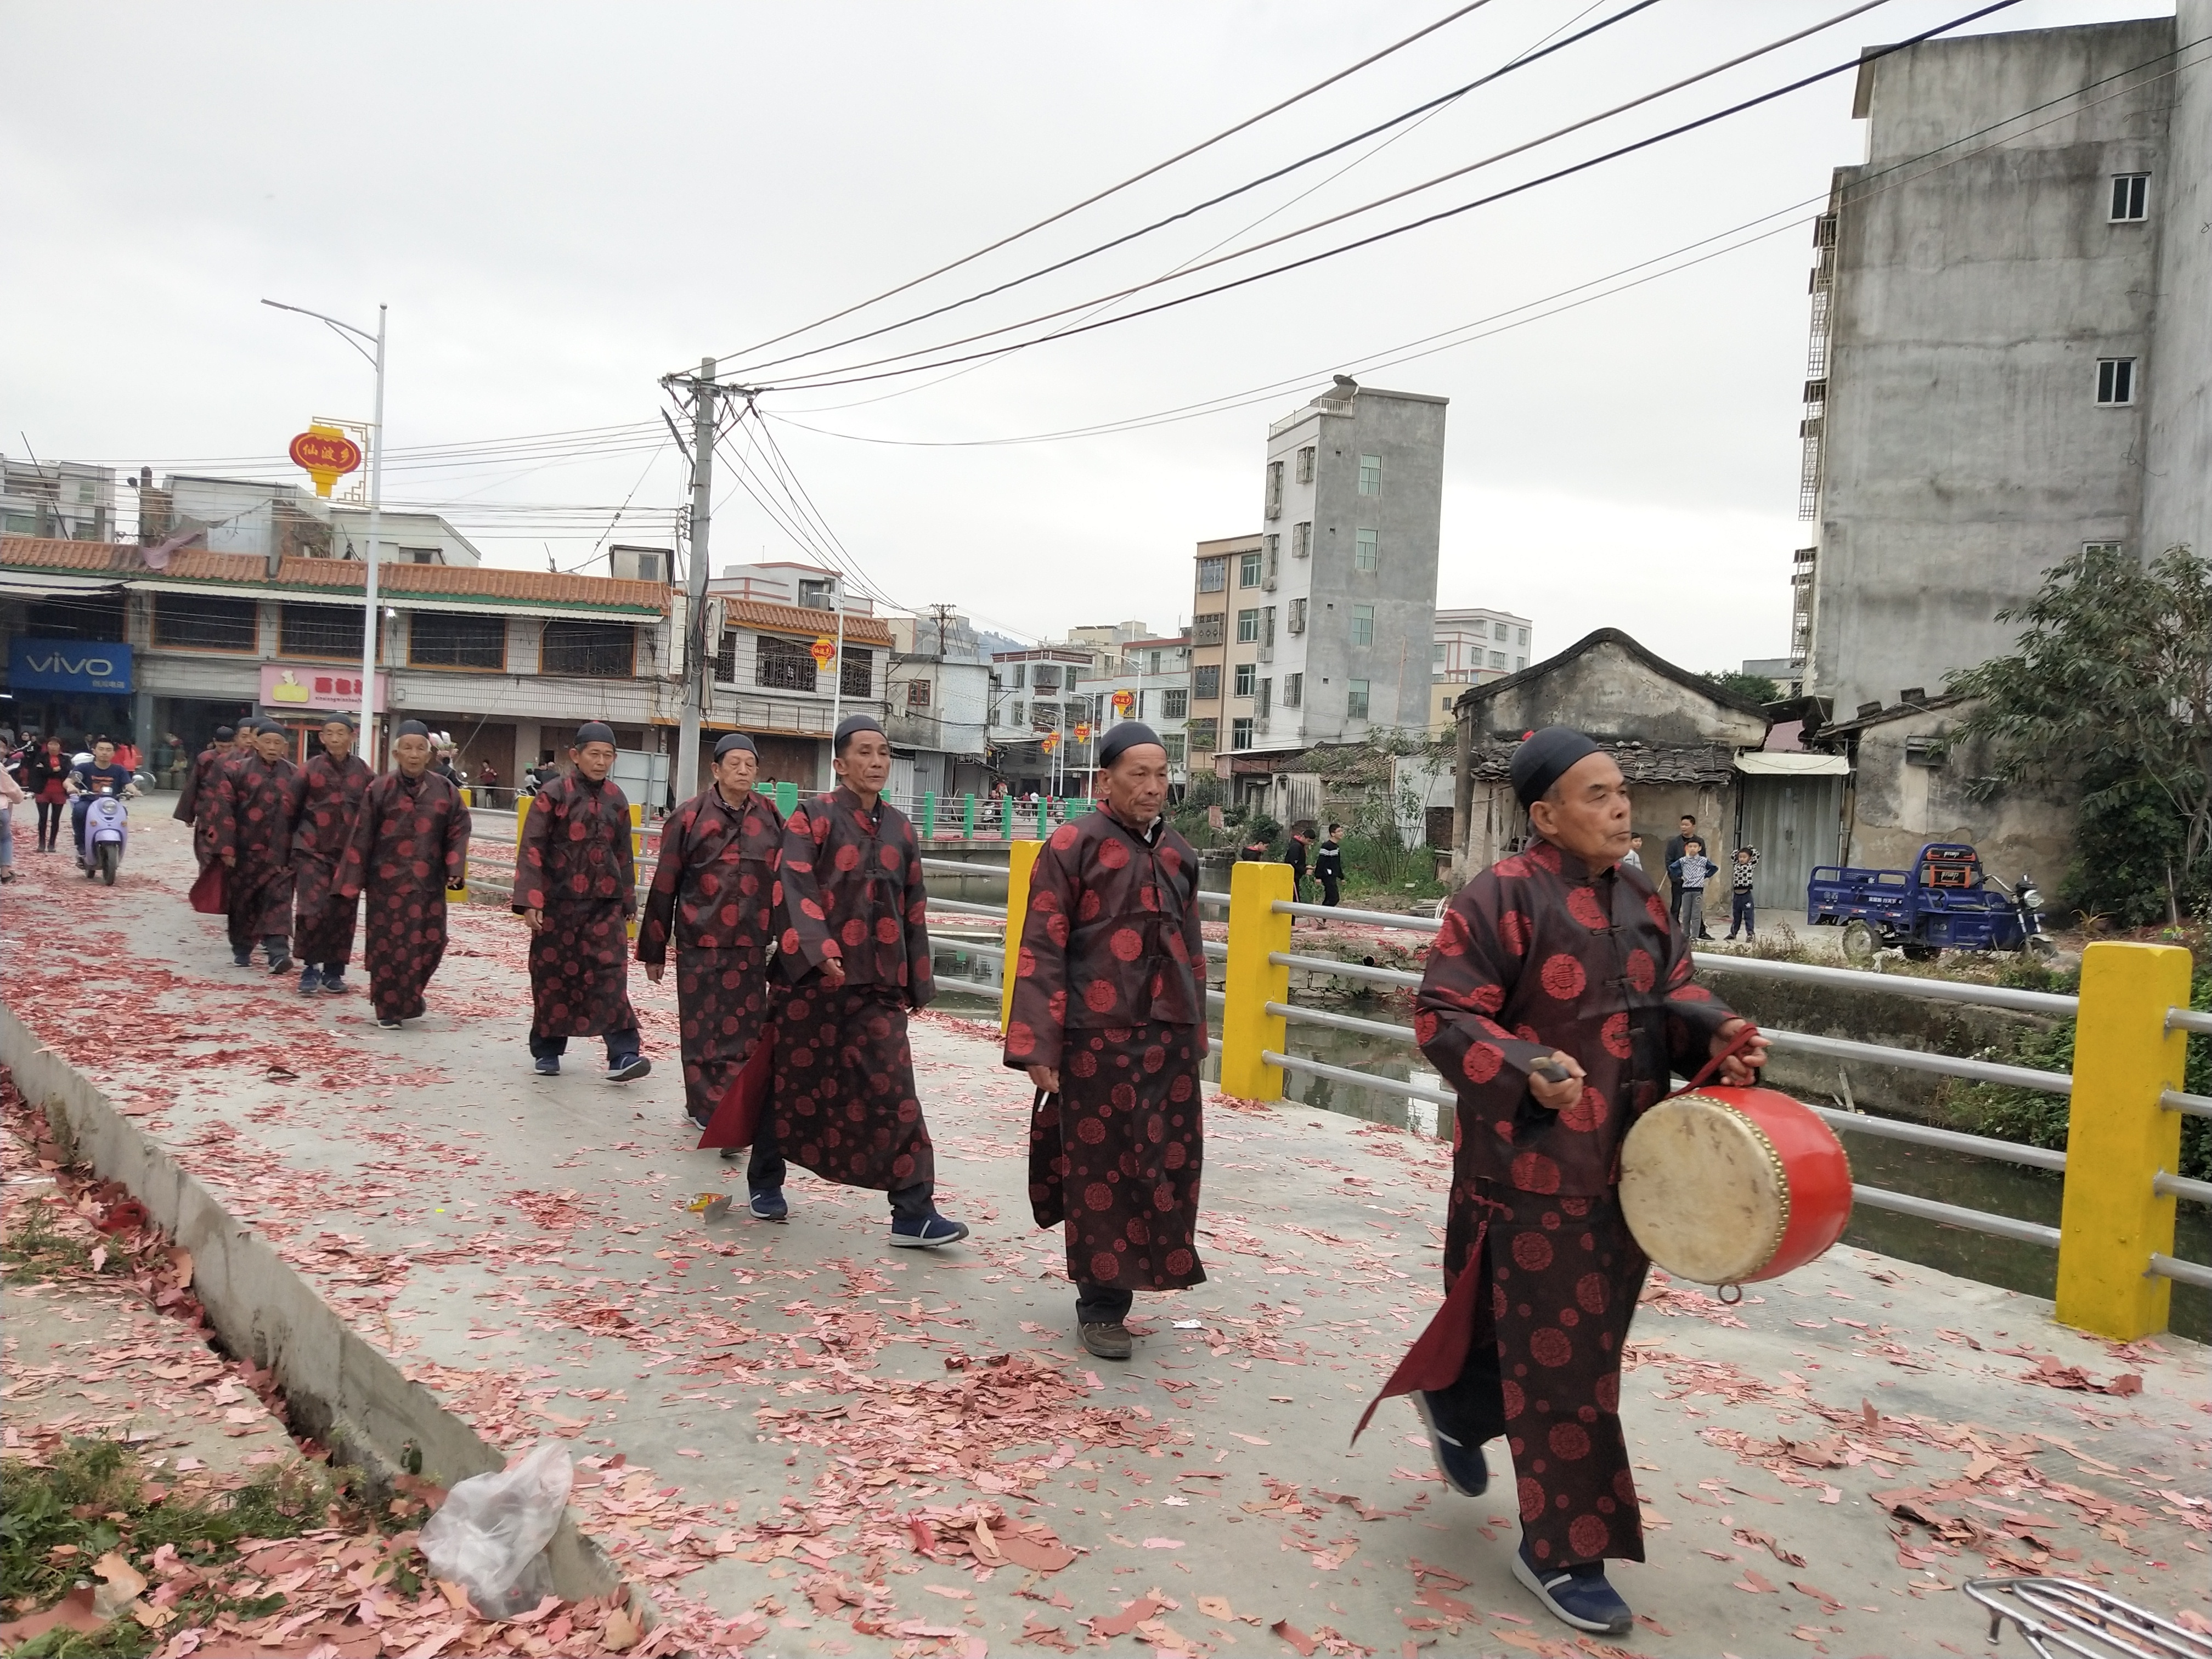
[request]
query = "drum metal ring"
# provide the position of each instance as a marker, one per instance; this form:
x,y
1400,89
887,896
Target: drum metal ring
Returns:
x,y
1728,1295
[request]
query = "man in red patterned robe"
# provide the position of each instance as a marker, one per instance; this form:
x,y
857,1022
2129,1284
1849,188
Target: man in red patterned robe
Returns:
x,y
196,800
409,846
713,894
328,793
575,887
251,828
855,945
1108,1020
1556,999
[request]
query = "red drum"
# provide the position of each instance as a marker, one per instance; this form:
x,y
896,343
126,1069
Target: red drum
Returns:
x,y
1728,1185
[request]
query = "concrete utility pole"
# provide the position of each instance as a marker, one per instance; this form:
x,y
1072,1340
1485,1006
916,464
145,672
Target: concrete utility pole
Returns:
x,y
696,658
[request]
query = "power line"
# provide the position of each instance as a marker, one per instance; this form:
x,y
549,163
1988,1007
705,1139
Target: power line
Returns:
x,y
1421,346
829,378
1533,55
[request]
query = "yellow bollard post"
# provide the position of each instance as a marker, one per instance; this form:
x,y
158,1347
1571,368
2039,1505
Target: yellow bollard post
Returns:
x,y
1021,858
2118,1136
1249,982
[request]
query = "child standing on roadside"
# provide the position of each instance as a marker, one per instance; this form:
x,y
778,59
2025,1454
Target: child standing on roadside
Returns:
x,y
1690,871
1741,870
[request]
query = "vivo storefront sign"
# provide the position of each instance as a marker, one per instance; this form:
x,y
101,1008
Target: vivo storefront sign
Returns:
x,y
95,665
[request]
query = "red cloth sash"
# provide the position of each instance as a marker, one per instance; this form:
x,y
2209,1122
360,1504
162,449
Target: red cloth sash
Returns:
x,y
209,895
738,1114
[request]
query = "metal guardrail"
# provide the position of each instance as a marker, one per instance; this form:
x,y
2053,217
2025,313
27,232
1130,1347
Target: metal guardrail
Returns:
x,y
1918,1060
1954,1215
1903,985
1342,1021
1368,1080
1343,969
2180,1272
1949,1140
2174,1186
1373,918
2193,1105
2189,1019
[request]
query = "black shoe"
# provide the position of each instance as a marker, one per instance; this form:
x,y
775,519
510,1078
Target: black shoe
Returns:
x,y
635,1066
1576,1595
768,1204
926,1232
1108,1341
1463,1465
387,1024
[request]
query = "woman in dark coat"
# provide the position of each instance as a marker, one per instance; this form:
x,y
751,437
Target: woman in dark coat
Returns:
x,y
856,946
196,800
251,828
44,778
1108,1020
409,846
713,894
575,885
330,785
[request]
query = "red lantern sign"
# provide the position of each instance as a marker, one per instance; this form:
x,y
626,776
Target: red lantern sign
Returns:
x,y
823,651
1083,732
1051,741
1124,701
327,455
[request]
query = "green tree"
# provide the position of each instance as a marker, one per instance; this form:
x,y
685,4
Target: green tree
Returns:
x,y
2110,692
1757,687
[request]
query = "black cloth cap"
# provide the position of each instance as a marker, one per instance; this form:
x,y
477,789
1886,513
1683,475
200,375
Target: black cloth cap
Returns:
x,y
346,720
595,731
734,740
850,727
410,729
265,724
1128,735
1544,758
225,733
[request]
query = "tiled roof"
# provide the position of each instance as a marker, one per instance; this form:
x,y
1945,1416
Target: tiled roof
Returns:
x,y
345,575
774,618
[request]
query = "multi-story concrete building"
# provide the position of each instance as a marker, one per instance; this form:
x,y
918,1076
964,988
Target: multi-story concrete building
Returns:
x,y
1217,564
1033,697
939,696
2012,340
282,521
66,499
1327,623
1472,647
1152,684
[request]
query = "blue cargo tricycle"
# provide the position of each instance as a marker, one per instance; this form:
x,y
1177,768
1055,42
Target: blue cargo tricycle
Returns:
x,y
1943,903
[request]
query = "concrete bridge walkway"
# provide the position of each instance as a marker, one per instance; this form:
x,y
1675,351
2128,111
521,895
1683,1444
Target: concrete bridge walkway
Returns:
x,y
853,1450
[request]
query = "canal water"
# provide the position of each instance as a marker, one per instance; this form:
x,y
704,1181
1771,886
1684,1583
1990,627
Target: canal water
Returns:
x,y
1975,1183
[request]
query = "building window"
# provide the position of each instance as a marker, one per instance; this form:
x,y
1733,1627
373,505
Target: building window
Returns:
x,y
319,630
454,639
1520,663
1268,626
202,622
856,675
1436,656
1201,734
1242,686
1497,660
1213,574
1498,630
1523,640
1363,624
1043,716
1172,742
1015,719
917,694
726,658
1263,695
2130,197
1046,678
1274,490
1298,617
1251,569
1240,734
1370,475
589,650
1174,704
1306,465
2100,550
418,556
1271,546
1020,668
1355,700
1205,683
1301,540
1154,657
1362,549
2116,381
1248,627
1208,629
1294,690
781,665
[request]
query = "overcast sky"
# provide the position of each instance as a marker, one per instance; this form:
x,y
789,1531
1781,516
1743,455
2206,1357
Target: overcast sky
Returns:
x,y
562,203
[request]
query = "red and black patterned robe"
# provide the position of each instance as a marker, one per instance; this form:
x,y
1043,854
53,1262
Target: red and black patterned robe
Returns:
x,y
1109,990
850,887
196,800
251,820
1536,953
713,892
577,864
327,799
410,842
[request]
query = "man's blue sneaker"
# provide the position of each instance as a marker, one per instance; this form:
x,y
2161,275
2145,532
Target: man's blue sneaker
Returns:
x,y
334,985
926,1232
768,1205
549,1064
311,982
241,958
1461,1466
635,1066
1576,1595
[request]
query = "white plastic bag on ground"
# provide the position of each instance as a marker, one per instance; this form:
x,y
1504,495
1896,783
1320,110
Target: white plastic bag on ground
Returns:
x,y
491,1536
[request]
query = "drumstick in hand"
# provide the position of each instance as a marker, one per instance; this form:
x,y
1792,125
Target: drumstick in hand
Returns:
x,y
1556,1081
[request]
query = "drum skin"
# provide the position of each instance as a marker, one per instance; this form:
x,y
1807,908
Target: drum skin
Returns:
x,y
1728,1185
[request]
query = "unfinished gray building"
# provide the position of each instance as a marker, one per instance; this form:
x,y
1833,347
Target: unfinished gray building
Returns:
x,y
2012,340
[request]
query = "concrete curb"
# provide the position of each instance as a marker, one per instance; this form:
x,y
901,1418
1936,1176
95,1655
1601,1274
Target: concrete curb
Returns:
x,y
341,1390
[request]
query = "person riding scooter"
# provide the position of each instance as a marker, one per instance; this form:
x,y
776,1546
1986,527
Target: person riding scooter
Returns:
x,y
94,774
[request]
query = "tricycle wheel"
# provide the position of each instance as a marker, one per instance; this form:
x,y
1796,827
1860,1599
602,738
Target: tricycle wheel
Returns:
x,y
1859,941
1923,952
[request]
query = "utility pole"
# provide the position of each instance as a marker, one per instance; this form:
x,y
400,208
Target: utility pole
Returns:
x,y
703,393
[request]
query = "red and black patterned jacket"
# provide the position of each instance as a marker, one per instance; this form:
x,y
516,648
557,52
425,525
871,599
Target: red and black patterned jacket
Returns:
x,y
714,887
1539,952
850,887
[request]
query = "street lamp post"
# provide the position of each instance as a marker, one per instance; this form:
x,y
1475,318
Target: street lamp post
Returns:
x,y
354,337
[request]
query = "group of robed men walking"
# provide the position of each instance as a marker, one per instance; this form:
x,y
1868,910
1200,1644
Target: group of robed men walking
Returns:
x,y
1556,999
